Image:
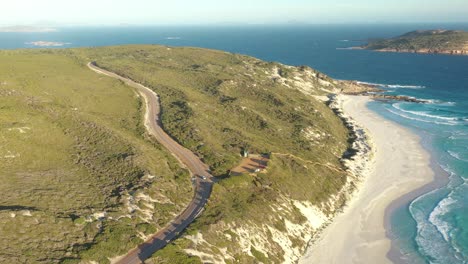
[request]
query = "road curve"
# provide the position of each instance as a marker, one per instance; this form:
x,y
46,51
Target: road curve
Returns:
x,y
202,187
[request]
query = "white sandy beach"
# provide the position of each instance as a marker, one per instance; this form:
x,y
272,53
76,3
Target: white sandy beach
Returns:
x,y
400,166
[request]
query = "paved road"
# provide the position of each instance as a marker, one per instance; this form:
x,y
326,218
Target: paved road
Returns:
x,y
193,163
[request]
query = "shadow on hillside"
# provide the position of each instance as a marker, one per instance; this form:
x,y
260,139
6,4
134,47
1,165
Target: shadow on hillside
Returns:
x,y
16,208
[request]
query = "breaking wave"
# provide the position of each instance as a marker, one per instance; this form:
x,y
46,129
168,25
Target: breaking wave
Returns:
x,y
448,123
456,156
426,114
394,86
436,217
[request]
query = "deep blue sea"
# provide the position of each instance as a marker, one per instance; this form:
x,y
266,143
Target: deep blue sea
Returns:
x,y
431,228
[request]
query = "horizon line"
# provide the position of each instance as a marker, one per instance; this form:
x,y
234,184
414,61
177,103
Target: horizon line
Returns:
x,y
57,25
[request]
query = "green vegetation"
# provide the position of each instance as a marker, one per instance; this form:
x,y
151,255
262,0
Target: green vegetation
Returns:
x,y
216,103
71,146
74,154
430,40
172,253
259,255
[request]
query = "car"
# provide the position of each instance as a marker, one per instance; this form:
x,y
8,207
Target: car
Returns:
x,y
203,177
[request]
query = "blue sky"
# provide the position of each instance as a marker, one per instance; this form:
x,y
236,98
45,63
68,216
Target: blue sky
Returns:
x,y
115,12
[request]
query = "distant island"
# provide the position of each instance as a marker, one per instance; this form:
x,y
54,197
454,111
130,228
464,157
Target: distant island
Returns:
x,y
26,29
454,42
47,43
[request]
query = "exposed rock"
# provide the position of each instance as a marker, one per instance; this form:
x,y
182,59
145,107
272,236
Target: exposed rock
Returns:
x,y
386,97
373,91
358,88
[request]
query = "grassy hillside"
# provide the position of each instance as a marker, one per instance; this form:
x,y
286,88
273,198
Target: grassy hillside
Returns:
x,y
433,40
217,104
71,146
82,181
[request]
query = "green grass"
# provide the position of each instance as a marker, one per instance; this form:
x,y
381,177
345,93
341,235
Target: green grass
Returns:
x,y
216,110
172,254
71,144
259,255
216,104
114,240
86,149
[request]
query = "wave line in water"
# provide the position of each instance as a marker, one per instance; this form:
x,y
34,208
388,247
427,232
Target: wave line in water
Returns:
x,y
449,123
436,217
429,239
425,114
393,86
456,155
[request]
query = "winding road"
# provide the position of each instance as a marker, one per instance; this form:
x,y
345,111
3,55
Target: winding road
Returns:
x,y
202,184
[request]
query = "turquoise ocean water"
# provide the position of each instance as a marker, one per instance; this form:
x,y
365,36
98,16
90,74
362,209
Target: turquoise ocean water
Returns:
x,y
433,226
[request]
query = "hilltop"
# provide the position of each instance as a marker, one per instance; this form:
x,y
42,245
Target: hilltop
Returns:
x,y
80,175
454,42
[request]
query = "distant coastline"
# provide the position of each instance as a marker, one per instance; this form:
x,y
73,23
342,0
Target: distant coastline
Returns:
x,y
26,29
47,43
420,51
449,42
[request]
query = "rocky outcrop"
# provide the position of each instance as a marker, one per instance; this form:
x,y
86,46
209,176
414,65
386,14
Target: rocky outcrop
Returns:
x,y
358,88
374,92
386,97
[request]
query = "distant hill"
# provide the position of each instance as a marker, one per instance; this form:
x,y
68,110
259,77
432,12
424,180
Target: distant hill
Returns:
x,y
424,41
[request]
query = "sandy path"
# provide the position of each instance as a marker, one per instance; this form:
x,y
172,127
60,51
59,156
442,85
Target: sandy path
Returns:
x,y
400,166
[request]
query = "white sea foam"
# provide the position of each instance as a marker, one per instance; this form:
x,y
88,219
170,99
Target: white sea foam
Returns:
x,y
437,217
439,102
459,136
445,207
394,86
455,180
456,156
397,86
429,239
425,114
448,123
447,103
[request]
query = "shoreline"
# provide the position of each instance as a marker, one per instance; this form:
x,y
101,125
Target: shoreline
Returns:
x,y
401,166
425,51
418,51
441,178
